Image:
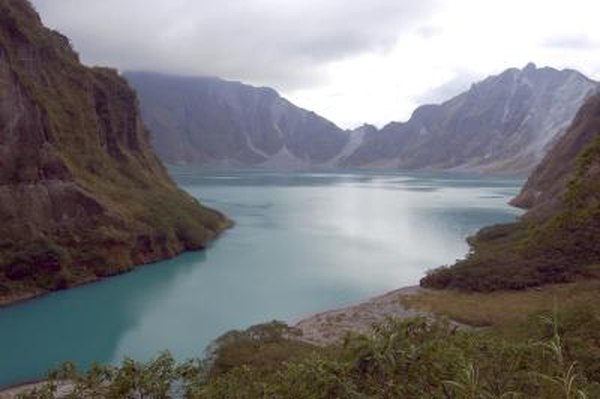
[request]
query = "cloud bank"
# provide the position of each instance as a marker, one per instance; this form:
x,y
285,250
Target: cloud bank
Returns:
x,y
351,61
281,43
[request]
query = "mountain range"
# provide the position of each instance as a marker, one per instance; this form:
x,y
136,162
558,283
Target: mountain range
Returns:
x,y
208,121
503,124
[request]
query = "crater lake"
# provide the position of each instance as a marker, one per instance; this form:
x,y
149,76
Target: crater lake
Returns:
x,y
302,243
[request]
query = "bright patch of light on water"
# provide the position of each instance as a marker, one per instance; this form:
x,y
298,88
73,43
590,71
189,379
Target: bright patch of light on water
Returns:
x,y
303,243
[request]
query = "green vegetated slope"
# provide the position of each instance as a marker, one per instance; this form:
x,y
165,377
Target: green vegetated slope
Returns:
x,y
557,240
81,193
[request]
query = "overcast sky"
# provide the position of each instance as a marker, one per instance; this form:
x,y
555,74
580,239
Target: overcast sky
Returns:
x,y
352,61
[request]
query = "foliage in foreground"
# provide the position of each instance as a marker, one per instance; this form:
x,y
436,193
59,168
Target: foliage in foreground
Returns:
x,y
559,357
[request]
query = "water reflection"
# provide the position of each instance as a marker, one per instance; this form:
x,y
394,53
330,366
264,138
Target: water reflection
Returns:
x,y
84,324
303,242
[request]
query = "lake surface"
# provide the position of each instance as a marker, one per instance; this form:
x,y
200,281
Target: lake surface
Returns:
x,y
303,243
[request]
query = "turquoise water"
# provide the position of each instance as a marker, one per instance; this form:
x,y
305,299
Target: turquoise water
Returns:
x,y
303,242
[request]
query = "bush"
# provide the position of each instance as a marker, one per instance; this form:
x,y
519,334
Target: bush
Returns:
x,y
266,346
413,358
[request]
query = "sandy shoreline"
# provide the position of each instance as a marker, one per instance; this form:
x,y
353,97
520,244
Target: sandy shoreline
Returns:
x,y
332,325
12,391
320,328
62,389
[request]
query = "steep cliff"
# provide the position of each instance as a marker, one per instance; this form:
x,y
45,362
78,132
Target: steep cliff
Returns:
x,y
505,123
543,189
557,239
81,193
209,121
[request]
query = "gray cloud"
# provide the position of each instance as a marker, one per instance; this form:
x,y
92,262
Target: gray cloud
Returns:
x,y
428,31
279,43
571,42
460,83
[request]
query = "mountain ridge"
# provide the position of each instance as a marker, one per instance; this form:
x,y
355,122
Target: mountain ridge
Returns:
x,y
82,195
541,192
556,240
502,124
224,123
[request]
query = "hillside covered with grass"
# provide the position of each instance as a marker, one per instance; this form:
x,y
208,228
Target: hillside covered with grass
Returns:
x,y
556,241
82,195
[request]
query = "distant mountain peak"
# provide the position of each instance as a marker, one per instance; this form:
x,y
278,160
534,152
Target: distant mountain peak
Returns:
x,y
366,128
220,123
505,123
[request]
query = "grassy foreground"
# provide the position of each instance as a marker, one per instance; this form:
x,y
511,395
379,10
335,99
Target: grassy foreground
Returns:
x,y
539,343
504,309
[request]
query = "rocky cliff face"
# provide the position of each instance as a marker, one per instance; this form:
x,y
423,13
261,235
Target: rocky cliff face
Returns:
x,y
209,121
542,191
505,123
557,239
81,193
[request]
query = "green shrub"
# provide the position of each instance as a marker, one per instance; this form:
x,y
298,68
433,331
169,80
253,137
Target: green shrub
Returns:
x,y
413,358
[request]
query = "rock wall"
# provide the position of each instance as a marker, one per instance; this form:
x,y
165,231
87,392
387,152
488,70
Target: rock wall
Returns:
x,y
81,193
